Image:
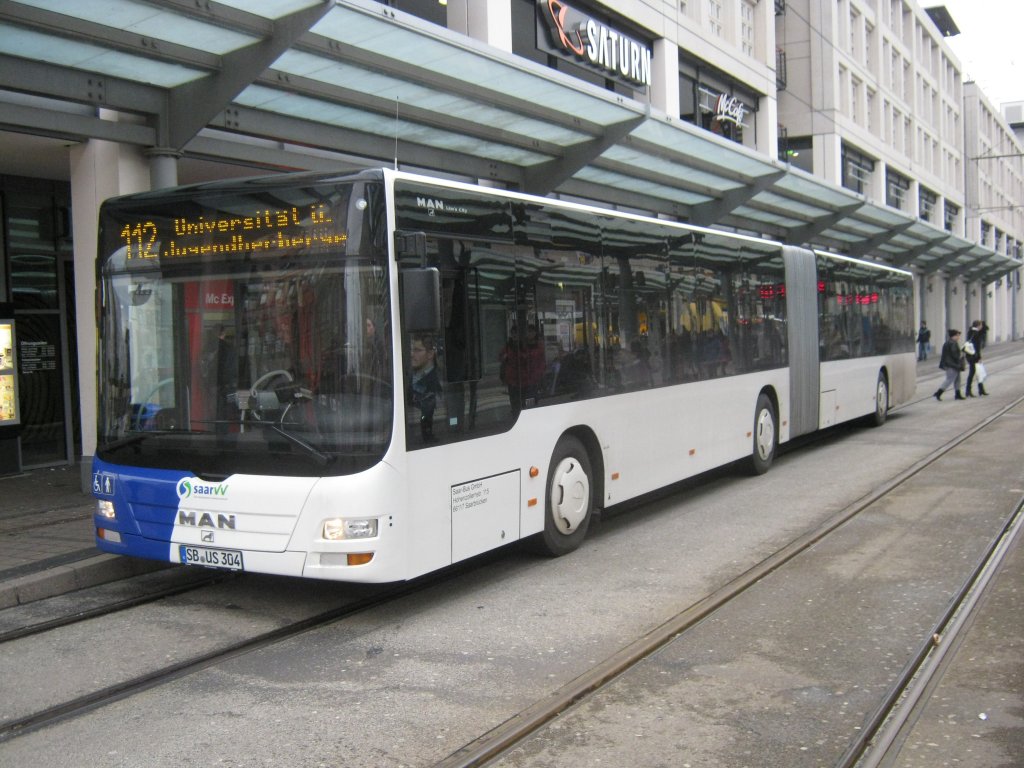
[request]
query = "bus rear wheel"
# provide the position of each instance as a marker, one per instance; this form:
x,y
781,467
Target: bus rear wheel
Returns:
x,y
766,437
881,401
569,501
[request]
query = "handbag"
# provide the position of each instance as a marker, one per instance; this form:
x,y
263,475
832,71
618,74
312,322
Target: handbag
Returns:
x,y
969,348
980,373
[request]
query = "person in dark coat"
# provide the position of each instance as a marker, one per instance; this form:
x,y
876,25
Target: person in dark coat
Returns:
x,y
972,352
951,360
924,338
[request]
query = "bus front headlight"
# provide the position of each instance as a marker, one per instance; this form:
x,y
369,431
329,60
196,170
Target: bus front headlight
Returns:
x,y
340,528
105,508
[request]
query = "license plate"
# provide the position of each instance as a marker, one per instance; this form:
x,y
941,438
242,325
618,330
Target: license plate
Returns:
x,y
211,558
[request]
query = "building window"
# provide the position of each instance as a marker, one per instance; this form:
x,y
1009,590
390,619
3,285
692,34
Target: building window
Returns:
x,y
857,170
747,27
951,213
715,17
896,188
856,87
797,151
926,202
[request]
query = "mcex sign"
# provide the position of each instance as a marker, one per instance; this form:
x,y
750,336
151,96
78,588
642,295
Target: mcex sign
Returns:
x,y
574,35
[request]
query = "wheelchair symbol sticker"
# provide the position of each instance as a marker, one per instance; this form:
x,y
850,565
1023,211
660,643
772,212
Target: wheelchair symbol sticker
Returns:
x,y
103,483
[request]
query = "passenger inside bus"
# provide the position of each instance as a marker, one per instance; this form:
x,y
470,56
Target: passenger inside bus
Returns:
x,y
425,383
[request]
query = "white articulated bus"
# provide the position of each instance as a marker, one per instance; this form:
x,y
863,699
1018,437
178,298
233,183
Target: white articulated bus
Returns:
x,y
372,376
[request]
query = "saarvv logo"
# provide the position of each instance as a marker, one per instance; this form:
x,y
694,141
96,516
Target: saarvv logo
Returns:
x,y
189,487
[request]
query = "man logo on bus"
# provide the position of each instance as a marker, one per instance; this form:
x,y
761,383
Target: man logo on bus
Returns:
x,y
187,489
206,520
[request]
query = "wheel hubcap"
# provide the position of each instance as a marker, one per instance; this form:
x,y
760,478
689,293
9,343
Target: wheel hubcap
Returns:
x,y
570,495
765,436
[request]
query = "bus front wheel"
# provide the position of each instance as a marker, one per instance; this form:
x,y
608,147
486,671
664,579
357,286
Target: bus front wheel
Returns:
x,y
766,439
569,501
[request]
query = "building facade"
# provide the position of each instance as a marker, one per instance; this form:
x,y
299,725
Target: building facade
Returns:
x,y
843,125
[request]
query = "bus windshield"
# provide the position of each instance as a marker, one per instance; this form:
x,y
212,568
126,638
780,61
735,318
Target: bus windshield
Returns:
x,y
246,330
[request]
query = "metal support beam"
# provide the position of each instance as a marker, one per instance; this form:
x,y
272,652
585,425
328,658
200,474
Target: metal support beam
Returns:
x,y
865,247
546,177
192,105
907,257
948,259
706,214
72,126
804,234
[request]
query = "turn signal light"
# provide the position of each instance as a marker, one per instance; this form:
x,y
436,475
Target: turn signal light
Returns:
x,y
359,558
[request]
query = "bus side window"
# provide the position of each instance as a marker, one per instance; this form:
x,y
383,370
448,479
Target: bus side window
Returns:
x,y
466,399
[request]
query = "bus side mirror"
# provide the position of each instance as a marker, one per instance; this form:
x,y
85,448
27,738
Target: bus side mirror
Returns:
x,y
421,299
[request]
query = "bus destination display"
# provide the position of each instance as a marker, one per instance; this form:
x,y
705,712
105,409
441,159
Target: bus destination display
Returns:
x,y
267,230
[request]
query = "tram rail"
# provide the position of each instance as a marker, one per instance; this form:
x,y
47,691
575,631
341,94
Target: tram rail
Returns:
x,y
514,730
503,739
198,581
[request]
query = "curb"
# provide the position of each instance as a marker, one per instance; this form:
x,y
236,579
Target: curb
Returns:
x,y
60,579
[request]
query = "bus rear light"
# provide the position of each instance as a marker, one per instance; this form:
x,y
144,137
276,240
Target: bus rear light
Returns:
x,y
105,508
339,528
112,536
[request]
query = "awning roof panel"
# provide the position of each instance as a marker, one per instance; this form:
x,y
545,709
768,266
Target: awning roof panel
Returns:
x,y
343,77
51,49
144,19
641,187
405,94
315,110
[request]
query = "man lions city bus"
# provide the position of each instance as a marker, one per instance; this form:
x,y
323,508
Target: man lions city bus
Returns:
x,y
369,377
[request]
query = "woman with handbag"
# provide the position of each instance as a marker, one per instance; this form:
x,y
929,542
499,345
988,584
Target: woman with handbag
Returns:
x,y
972,351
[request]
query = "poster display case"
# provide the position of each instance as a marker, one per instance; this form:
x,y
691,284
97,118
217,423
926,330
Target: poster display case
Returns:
x,y
9,411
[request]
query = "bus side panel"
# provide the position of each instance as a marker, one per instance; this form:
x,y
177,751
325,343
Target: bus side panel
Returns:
x,y
470,497
851,385
802,310
661,436
902,377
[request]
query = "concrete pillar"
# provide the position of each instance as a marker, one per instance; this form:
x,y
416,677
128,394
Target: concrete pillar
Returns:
x,y
99,169
163,167
933,305
827,151
665,77
489,21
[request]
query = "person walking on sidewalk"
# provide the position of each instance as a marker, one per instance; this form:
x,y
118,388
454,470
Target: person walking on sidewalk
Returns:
x,y
951,360
972,351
